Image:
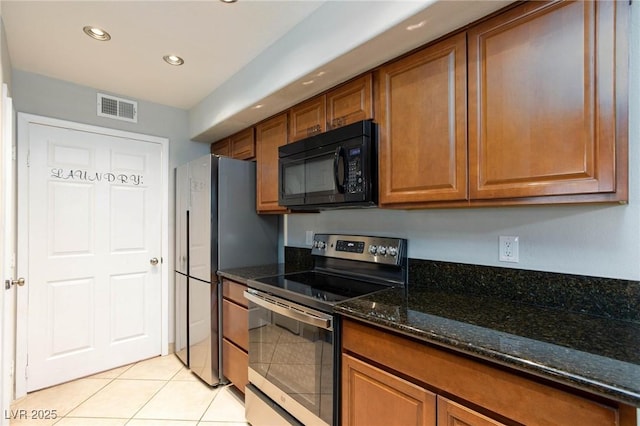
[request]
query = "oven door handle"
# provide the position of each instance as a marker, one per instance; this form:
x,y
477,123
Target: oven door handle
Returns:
x,y
289,310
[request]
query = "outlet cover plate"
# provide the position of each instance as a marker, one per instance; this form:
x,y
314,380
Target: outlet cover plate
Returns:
x,y
509,250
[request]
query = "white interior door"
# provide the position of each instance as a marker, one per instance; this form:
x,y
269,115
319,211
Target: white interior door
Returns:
x,y
94,232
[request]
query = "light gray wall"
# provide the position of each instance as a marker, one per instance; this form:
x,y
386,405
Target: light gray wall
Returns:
x,y
40,95
598,240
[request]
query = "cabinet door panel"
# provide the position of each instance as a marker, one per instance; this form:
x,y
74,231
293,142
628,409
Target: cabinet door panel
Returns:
x,y
235,365
234,291
423,146
375,397
235,324
350,103
541,101
307,119
243,145
454,414
270,135
222,148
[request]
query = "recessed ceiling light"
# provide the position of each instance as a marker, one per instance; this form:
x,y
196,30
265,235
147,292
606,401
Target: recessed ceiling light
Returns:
x,y
416,26
228,1
320,74
173,60
308,82
257,106
96,33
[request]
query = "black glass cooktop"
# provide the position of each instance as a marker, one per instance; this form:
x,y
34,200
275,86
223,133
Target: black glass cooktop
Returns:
x,y
315,289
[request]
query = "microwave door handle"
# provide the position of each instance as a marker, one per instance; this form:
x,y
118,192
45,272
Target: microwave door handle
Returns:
x,y
336,159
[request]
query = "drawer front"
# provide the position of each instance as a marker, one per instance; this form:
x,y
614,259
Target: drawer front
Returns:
x,y
235,364
234,291
235,324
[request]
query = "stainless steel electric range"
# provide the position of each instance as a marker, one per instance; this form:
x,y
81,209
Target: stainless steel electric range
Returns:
x,y
294,338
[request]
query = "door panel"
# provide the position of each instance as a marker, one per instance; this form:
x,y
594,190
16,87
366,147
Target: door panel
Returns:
x,y
70,328
94,296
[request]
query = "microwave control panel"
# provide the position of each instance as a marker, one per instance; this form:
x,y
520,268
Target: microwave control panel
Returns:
x,y
354,176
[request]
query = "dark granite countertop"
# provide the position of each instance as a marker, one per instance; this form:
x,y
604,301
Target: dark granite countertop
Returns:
x,y
242,275
596,354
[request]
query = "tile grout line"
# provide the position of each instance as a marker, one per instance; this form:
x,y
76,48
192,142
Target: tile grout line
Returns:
x,y
111,379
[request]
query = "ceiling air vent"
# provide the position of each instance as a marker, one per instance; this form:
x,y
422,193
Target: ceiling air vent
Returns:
x,y
118,108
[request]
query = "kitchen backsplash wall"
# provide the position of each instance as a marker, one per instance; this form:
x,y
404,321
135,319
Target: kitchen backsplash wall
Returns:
x,y
585,240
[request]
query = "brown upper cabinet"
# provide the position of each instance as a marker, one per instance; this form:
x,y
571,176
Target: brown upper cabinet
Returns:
x,y
350,102
241,145
221,147
548,103
423,132
547,111
307,119
338,107
270,135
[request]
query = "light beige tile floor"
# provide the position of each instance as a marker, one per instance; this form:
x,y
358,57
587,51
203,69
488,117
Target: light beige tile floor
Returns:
x,y
154,392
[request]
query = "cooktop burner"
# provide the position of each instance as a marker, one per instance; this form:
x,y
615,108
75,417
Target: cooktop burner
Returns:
x,y
345,266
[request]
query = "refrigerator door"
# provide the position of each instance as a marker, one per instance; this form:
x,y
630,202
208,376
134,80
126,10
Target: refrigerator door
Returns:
x,y
181,340
200,216
204,347
244,238
182,199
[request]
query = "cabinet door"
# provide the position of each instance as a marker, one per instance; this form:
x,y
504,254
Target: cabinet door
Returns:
x,y
235,324
243,145
235,364
371,396
422,116
307,119
542,103
350,102
453,414
234,291
222,148
270,135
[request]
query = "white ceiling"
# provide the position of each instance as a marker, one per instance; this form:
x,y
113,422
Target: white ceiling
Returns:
x,y
215,39
236,55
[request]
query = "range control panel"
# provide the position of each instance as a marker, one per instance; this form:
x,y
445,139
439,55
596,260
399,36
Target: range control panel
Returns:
x,y
387,250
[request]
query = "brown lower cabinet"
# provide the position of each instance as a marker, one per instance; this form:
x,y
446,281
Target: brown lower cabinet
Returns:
x,y
235,333
388,379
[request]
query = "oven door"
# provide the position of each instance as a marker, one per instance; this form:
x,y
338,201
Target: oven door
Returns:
x,y
291,356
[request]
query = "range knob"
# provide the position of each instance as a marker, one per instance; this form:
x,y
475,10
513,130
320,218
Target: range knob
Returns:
x,y
322,245
382,251
393,251
373,250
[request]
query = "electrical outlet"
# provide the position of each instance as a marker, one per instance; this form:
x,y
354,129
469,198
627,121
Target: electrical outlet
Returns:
x,y
309,238
509,249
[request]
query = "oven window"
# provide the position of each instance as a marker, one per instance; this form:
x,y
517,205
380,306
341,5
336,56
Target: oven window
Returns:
x,y
295,357
312,176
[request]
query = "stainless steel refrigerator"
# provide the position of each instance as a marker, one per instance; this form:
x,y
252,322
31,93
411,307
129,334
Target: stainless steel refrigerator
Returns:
x,y
216,228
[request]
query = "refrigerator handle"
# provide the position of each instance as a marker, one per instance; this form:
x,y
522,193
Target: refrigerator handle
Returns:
x,y
190,191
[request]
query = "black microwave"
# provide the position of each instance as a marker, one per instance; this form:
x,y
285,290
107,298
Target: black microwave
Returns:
x,y
335,169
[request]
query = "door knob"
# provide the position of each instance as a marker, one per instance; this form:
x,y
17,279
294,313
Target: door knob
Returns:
x,y
19,281
154,261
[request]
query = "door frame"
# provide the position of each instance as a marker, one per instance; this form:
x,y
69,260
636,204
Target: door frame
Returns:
x,y
7,251
24,120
